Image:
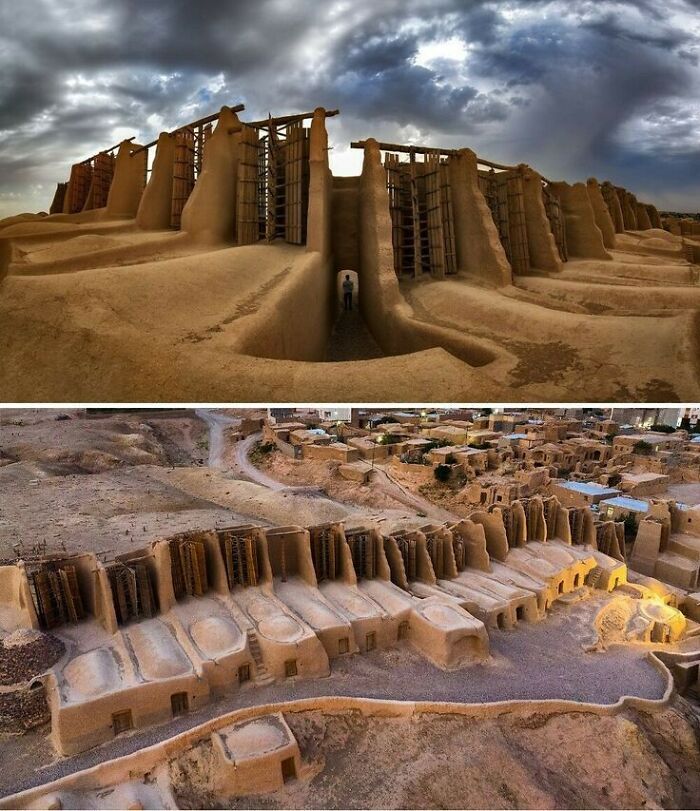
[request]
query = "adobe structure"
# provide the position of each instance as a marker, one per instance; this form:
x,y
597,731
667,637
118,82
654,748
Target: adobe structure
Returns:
x,y
163,630
219,246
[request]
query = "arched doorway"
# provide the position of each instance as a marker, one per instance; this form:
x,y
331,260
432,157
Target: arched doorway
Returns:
x,y
350,339
340,278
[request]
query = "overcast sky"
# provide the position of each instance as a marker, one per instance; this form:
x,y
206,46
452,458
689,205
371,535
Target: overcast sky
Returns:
x,y
577,88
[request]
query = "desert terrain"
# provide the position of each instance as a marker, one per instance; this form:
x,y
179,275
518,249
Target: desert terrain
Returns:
x,y
114,482
106,304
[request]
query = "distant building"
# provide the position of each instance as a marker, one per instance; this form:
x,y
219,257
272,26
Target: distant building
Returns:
x,y
646,417
335,414
582,494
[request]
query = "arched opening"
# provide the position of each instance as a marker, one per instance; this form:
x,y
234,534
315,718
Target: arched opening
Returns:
x,y
344,277
350,339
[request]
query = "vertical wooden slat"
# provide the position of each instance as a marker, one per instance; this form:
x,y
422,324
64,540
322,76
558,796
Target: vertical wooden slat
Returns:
x,y
448,219
552,208
183,174
273,189
520,255
79,186
247,203
103,173
415,217
434,213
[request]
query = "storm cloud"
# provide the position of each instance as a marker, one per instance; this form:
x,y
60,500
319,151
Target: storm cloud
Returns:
x,y
576,89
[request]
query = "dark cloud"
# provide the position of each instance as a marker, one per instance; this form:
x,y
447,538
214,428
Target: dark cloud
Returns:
x,y
606,87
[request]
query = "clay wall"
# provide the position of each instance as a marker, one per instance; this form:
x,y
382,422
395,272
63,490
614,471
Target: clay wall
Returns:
x,y
542,247
386,313
345,223
479,250
155,208
16,604
583,237
643,220
612,200
494,532
333,452
289,550
601,213
319,221
309,290
128,182
209,216
474,538
78,727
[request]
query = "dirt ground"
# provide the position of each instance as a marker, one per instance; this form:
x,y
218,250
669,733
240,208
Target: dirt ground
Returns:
x,y
325,475
687,493
79,302
519,759
99,484
544,660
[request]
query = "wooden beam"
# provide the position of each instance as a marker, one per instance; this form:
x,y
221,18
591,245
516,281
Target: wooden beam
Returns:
x,y
416,150
103,151
280,121
192,125
427,150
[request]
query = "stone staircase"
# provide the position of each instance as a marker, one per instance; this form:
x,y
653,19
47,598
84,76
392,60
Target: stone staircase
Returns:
x,y
262,675
594,577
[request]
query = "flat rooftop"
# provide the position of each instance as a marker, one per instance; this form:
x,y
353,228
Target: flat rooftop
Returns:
x,y
643,477
626,503
589,488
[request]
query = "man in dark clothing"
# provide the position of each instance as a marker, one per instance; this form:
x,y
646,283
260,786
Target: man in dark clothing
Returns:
x,y
347,292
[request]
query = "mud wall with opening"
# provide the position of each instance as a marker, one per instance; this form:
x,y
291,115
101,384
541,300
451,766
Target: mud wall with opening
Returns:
x,y
386,313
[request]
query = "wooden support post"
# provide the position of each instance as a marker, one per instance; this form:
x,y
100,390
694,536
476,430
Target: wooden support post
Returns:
x,y
272,173
183,174
415,215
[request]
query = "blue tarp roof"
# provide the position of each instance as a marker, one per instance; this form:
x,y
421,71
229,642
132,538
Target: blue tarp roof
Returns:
x,y
590,488
626,503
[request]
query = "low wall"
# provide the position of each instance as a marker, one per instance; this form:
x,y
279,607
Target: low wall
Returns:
x,y
139,763
411,467
295,320
285,447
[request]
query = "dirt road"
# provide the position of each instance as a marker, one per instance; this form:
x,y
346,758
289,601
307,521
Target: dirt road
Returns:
x,y
391,487
217,443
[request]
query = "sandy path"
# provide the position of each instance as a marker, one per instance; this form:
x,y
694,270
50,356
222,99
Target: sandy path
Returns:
x,y
217,443
247,470
396,490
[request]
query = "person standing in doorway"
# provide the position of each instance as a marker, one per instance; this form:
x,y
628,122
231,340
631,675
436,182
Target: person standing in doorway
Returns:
x,y
347,292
